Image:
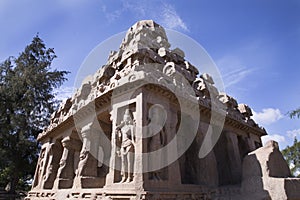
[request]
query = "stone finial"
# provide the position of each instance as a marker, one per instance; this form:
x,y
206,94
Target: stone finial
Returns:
x,y
85,90
245,110
162,52
169,68
145,34
207,78
204,85
178,52
228,100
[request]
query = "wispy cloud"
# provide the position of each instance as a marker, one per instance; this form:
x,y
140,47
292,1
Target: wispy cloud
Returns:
x,y
63,93
163,13
171,19
235,76
267,116
276,137
139,8
233,70
112,15
293,133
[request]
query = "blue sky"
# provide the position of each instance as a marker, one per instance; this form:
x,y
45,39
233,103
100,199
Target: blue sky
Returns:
x,y
255,44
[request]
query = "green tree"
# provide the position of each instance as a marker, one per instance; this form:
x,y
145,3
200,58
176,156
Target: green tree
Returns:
x,y
295,113
292,156
27,98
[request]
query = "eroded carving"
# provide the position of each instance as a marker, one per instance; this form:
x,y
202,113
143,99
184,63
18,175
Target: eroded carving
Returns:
x,y
126,134
157,134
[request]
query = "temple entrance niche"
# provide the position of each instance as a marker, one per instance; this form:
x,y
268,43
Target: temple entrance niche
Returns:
x,y
228,153
68,164
161,120
125,141
95,152
104,149
223,160
157,130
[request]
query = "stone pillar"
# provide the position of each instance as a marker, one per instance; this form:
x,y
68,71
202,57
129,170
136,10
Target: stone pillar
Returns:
x,y
86,175
53,156
66,173
234,156
138,149
208,170
112,163
47,165
251,143
41,166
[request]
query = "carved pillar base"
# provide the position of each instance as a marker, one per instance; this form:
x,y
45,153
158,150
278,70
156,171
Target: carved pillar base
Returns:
x,y
88,182
63,183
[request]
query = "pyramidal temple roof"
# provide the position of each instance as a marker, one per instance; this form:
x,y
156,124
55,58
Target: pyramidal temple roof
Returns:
x,y
145,52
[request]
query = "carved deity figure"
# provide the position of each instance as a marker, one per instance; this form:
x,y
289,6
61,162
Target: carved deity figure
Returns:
x,y
40,169
49,175
125,134
82,162
156,129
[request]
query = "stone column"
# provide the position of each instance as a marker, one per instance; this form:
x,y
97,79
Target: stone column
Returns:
x,y
41,165
54,154
86,175
47,165
65,174
112,163
251,143
234,156
138,149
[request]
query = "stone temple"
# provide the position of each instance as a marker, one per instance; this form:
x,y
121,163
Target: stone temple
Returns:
x,y
148,126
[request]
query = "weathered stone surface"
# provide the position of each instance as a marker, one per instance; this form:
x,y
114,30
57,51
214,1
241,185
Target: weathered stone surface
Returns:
x,y
265,173
145,101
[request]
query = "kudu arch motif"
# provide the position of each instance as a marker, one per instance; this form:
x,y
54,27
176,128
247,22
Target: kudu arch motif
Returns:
x,y
146,126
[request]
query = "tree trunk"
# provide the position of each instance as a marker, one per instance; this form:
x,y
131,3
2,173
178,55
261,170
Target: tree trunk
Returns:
x,y
13,184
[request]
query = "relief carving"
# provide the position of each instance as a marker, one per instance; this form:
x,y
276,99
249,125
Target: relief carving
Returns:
x,y
158,139
126,134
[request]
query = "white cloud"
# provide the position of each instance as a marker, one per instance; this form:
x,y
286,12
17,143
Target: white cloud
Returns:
x,y
233,70
293,133
171,19
235,76
163,13
276,137
139,8
267,116
64,93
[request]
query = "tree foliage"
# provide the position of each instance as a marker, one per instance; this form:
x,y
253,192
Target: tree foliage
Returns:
x,y
292,156
295,113
27,97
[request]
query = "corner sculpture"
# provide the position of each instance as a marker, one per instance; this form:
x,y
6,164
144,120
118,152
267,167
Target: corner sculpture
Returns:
x,y
131,132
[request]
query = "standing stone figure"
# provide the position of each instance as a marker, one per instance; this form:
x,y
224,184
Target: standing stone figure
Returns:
x,y
156,129
125,134
40,169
